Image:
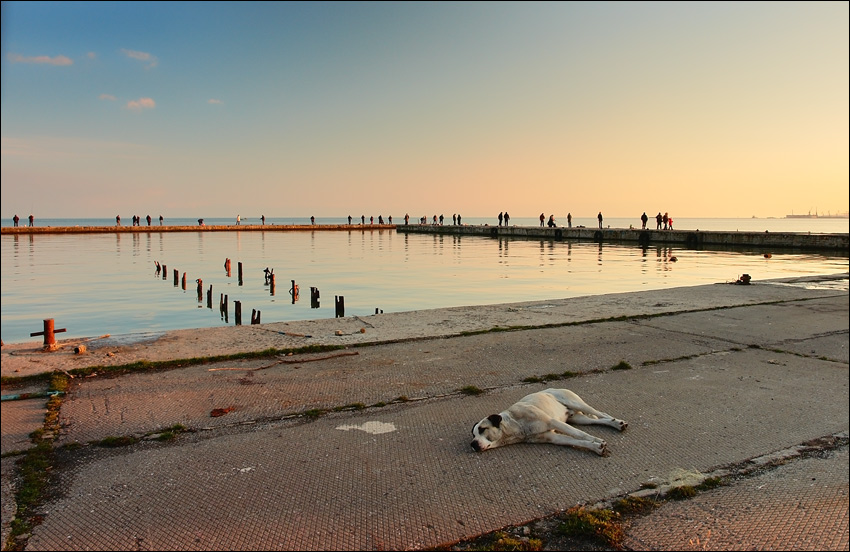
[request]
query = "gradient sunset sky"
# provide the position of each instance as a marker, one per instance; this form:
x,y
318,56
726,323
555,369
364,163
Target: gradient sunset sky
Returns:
x,y
199,109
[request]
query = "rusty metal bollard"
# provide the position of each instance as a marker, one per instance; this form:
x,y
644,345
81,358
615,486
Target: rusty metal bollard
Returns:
x,y
48,333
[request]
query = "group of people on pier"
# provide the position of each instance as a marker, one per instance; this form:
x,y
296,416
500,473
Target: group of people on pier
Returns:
x,y
137,220
16,219
662,222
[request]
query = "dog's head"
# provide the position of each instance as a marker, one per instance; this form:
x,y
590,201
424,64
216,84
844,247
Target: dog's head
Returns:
x,y
487,433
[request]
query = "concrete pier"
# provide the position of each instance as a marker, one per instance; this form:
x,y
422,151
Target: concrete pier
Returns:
x,y
22,230
694,239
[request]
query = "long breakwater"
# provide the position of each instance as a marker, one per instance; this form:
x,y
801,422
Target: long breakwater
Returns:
x,y
692,239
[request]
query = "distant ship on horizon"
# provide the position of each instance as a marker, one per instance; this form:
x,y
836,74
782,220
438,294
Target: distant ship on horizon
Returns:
x,y
814,215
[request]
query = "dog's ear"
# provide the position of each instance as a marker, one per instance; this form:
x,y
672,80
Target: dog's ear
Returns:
x,y
495,419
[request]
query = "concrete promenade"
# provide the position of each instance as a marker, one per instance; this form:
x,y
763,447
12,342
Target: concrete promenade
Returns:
x,y
367,447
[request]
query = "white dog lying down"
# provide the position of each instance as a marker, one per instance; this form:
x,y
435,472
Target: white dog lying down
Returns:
x,y
542,418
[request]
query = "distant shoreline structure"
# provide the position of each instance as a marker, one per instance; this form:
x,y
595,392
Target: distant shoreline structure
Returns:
x,y
815,215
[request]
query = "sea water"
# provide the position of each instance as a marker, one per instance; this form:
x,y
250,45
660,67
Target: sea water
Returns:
x,y
94,284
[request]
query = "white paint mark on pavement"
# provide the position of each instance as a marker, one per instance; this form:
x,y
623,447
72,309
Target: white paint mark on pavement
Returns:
x,y
371,427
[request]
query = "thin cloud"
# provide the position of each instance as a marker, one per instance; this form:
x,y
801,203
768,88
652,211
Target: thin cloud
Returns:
x,y
91,55
50,149
44,60
141,103
214,101
109,97
141,56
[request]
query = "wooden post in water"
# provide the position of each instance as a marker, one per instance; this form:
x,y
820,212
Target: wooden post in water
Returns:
x,y
237,312
200,290
239,266
339,304
314,298
255,316
176,277
209,298
271,283
184,281
164,272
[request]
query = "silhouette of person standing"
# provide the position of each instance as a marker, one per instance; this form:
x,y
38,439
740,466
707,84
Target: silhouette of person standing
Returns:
x,y
658,219
15,219
569,220
32,220
507,218
118,220
500,219
599,216
160,220
643,219
148,218
542,218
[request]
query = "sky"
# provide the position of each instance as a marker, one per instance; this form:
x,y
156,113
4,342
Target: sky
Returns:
x,y
289,109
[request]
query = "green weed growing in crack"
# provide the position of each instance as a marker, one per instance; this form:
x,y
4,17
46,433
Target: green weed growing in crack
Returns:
x,y
633,505
470,390
600,525
500,541
709,483
682,492
352,406
169,433
34,469
665,360
622,365
115,442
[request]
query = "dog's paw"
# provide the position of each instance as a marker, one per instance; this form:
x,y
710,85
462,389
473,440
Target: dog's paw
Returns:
x,y
602,449
623,425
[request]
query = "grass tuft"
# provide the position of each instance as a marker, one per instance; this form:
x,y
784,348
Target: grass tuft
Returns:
x,y
599,525
114,442
682,492
632,505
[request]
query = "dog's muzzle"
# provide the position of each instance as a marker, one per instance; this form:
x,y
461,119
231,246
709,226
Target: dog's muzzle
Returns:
x,y
476,446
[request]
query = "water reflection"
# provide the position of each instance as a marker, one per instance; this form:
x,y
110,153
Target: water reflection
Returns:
x,y
54,278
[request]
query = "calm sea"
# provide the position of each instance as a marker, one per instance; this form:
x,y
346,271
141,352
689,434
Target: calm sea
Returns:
x,y
96,284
